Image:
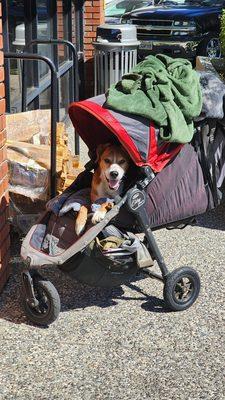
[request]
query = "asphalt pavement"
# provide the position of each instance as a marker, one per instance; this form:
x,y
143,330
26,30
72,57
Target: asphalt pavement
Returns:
x,y
122,343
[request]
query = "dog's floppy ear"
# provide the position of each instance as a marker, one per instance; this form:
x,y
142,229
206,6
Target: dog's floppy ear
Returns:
x,y
100,149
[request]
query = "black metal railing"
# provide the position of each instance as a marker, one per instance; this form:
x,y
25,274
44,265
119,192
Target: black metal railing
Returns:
x,y
74,95
54,108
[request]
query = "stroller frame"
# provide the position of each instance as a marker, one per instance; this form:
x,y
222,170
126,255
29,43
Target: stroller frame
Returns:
x,y
178,294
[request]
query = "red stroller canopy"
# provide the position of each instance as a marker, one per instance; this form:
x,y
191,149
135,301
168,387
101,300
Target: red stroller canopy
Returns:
x,y
96,125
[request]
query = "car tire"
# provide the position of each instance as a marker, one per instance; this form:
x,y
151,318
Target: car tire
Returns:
x,y
210,47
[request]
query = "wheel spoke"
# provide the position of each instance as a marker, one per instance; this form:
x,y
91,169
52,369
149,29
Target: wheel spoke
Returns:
x,y
183,289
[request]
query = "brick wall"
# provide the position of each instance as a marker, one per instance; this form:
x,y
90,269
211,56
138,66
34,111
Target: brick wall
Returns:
x,y
94,16
60,27
4,197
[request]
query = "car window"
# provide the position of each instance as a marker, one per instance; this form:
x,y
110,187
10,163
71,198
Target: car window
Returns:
x,y
141,4
209,3
118,8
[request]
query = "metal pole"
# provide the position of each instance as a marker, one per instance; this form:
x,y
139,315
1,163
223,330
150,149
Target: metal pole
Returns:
x,y
74,59
54,90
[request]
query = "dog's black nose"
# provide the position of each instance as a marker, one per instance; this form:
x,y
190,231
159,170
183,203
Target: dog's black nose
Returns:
x,y
114,174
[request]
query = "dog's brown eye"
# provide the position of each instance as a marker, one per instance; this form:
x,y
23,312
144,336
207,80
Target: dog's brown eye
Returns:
x,y
121,162
107,161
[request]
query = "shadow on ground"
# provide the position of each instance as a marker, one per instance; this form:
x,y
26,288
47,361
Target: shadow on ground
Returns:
x,y
73,295
214,219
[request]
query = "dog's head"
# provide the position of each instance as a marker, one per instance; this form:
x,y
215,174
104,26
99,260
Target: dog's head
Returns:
x,y
113,162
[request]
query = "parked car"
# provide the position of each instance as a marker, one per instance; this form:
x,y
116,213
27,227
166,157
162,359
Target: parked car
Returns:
x,y
116,8
179,28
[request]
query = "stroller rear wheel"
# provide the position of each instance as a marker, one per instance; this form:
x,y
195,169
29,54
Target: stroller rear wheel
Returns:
x,y
48,307
181,288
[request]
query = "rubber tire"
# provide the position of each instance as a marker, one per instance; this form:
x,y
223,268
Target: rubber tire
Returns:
x,y
201,50
54,305
170,283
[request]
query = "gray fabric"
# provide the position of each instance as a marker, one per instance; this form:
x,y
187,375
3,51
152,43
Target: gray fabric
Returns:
x,y
137,127
38,236
131,245
219,154
178,192
72,201
60,234
68,201
213,92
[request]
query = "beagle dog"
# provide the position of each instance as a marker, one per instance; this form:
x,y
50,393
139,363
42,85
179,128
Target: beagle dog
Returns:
x,y
112,164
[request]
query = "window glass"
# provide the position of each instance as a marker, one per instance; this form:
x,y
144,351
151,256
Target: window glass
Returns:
x,y
20,25
16,36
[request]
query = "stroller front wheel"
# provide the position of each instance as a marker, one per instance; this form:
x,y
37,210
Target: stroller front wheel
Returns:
x,y
181,288
48,308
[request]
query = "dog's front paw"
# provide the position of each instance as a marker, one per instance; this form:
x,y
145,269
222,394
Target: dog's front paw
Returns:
x,y
98,216
79,228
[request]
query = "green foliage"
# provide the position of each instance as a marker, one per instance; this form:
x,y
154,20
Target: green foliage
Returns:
x,y
222,32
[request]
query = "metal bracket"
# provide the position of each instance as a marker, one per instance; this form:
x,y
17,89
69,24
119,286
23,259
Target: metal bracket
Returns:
x,y
28,281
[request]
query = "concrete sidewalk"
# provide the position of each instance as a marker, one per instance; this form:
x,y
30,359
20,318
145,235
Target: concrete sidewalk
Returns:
x,y
121,344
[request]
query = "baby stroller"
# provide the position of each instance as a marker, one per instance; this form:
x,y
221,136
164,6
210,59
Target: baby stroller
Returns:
x,y
172,183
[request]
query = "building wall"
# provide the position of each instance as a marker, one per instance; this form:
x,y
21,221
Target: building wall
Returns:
x,y
4,196
94,16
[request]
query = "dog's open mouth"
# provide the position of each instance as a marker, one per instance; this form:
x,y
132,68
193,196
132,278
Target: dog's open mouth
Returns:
x,y
114,183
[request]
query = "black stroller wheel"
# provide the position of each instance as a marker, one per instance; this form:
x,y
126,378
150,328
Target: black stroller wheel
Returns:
x,y
48,308
181,288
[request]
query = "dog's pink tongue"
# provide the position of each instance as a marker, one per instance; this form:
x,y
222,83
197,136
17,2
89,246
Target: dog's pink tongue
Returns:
x,y
113,184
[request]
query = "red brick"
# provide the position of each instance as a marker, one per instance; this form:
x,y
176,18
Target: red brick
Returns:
x,y
2,74
88,28
88,15
88,54
4,241
3,154
5,271
2,89
1,58
2,122
4,215
92,9
4,185
88,47
2,106
4,263
88,40
4,201
90,34
3,169
91,22
96,16
2,136
2,220
5,247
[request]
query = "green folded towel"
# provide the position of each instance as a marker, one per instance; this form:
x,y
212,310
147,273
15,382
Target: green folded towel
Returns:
x,y
164,90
